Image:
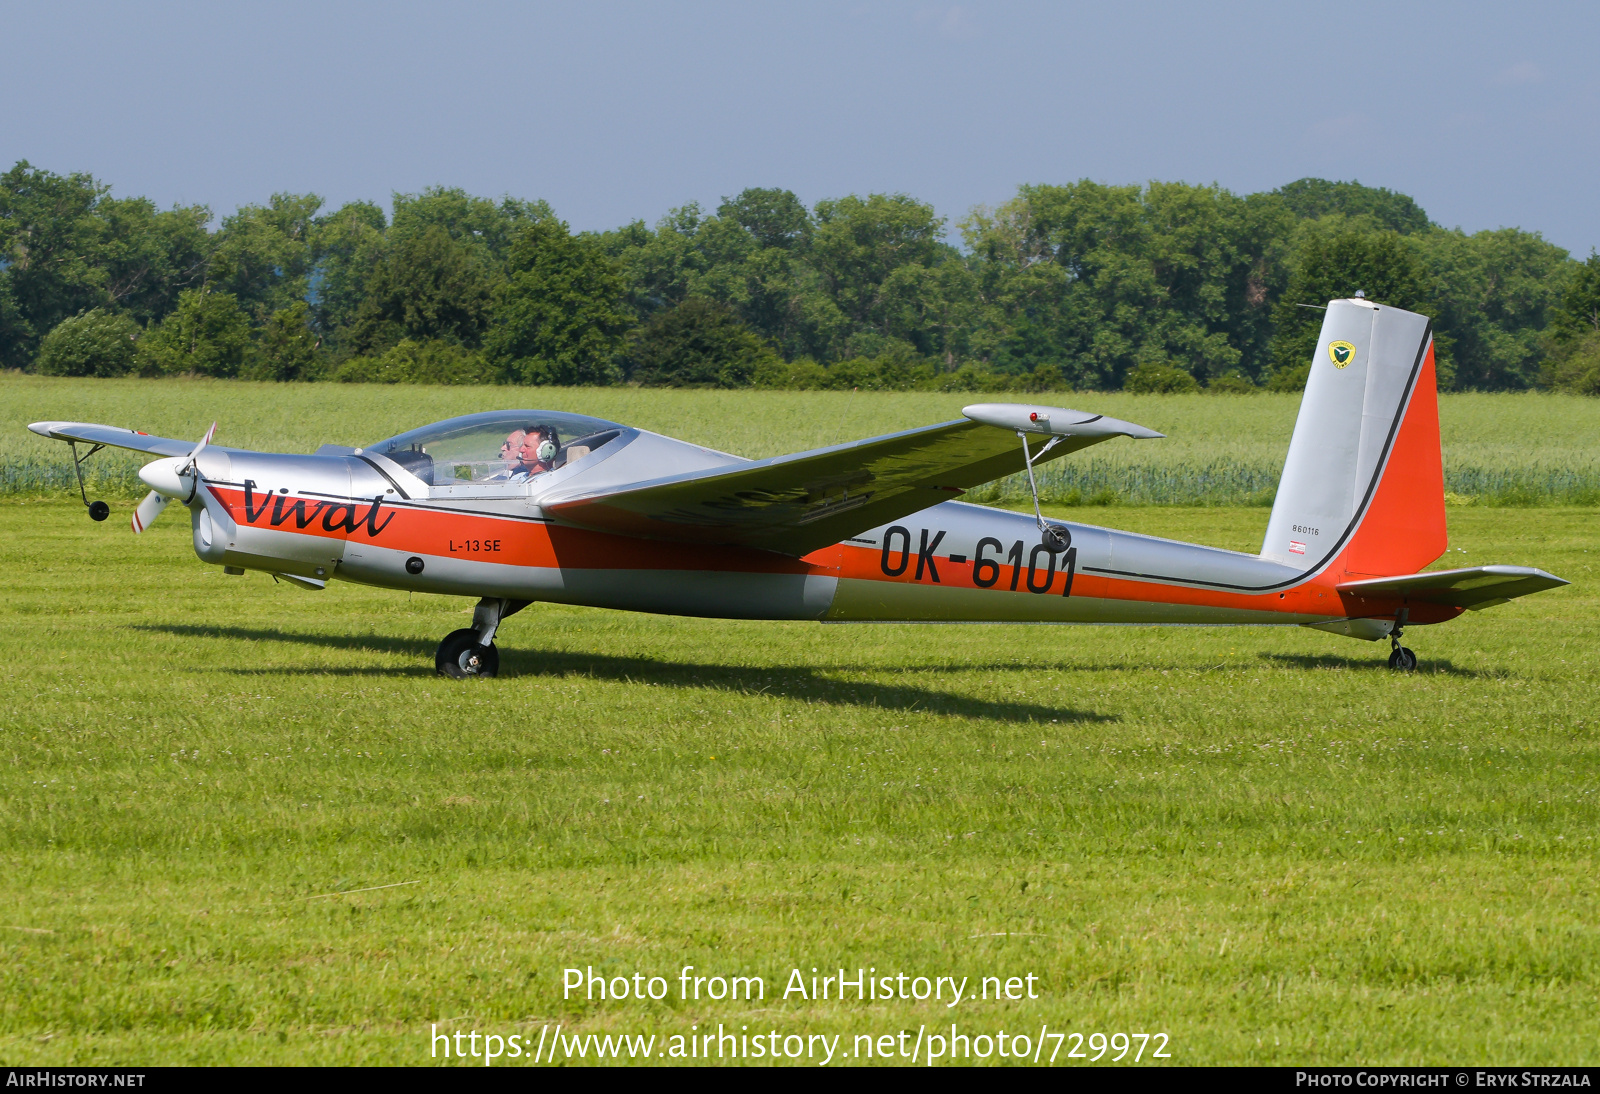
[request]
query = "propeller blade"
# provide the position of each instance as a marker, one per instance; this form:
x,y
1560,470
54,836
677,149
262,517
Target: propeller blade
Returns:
x,y
203,442
149,509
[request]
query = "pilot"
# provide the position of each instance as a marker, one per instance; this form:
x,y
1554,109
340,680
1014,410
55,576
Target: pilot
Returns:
x,y
537,453
510,455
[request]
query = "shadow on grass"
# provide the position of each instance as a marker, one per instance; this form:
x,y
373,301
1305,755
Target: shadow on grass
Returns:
x,y
383,643
1425,665
810,685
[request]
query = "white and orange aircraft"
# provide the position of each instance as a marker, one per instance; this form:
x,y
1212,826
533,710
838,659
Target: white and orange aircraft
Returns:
x,y
520,506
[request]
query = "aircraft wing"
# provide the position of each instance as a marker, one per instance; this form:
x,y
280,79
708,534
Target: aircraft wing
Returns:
x,y
796,504
112,436
1475,587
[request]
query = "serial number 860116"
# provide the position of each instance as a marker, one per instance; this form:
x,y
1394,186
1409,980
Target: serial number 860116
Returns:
x,y
1098,1044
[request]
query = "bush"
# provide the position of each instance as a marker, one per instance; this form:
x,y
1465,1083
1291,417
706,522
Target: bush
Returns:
x,y
1289,379
1231,384
1576,367
1156,378
206,335
801,374
970,378
886,372
410,362
95,343
1046,378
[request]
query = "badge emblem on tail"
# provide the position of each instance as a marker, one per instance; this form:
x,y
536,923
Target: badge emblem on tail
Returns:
x,y
1341,353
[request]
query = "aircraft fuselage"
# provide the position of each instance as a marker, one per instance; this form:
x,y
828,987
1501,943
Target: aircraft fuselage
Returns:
x,y
340,517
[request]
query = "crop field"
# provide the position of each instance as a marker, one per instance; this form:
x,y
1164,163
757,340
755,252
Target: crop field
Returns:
x,y
242,823
1516,450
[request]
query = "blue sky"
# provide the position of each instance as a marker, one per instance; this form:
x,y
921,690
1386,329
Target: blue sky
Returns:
x,y
1489,115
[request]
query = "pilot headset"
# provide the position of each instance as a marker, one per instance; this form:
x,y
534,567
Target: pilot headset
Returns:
x,y
547,446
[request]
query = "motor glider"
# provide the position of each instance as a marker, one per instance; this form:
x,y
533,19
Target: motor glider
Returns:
x,y
521,506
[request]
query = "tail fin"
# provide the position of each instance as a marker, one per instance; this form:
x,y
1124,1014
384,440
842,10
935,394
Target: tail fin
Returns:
x,y
1362,490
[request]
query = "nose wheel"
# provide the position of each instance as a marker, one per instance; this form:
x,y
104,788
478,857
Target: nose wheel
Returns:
x,y
460,657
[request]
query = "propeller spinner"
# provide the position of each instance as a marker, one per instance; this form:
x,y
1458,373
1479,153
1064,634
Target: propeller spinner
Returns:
x,y
176,478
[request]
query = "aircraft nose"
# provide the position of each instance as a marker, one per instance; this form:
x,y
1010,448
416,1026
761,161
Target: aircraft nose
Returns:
x,y
167,477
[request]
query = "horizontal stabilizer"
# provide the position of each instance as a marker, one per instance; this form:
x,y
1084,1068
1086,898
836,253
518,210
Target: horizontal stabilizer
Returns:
x,y
1474,587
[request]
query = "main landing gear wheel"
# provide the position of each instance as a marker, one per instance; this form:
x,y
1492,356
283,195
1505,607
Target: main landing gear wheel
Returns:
x,y
461,658
1402,659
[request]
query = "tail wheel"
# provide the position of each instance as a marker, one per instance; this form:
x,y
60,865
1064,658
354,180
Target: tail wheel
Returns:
x,y
461,658
1402,659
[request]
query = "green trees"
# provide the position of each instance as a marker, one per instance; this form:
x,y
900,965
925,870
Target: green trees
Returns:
x,y
207,334
1340,261
66,247
1574,363
349,245
1495,293
858,276
288,348
49,239
558,316
1578,315
1103,279
1077,285
1313,199
264,254
698,343
426,285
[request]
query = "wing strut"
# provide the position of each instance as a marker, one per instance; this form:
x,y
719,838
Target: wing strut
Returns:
x,y
1054,538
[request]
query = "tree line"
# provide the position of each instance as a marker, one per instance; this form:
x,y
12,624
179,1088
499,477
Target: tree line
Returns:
x,y
1162,287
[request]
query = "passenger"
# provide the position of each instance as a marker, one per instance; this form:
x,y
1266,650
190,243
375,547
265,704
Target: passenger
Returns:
x,y
536,454
510,455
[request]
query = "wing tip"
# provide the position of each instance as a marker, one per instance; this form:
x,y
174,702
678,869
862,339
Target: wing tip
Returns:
x,y
1054,421
1142,433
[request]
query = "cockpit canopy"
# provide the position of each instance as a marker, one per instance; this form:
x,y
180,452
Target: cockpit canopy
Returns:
x,y
489,448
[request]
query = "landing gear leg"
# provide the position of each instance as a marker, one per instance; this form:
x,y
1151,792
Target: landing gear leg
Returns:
x,y
98,510
1054,537
471,651
1400,658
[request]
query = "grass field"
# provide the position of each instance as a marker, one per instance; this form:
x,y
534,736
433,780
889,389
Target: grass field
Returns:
x,y
1519,450
1257,841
